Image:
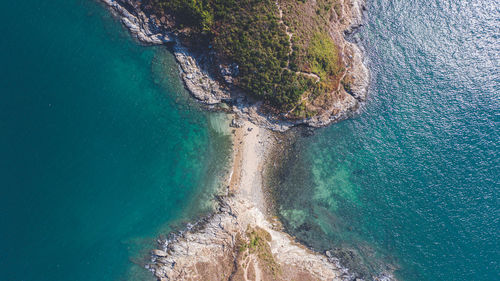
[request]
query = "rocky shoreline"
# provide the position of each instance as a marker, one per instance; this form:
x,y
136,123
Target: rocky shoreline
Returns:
x,y
194,69
241,240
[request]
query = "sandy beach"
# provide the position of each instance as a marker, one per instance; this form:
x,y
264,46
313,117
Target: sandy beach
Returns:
x,y
239,241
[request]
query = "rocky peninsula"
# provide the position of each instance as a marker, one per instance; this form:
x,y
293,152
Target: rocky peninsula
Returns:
x,y
241,240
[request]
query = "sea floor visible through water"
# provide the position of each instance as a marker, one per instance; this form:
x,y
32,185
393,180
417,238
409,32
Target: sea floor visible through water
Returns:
x,y
412,181
102,149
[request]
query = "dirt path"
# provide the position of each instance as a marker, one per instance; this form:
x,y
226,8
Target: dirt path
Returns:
x,y
290,35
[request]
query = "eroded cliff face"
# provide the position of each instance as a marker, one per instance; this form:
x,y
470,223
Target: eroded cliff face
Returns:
x,y
212,83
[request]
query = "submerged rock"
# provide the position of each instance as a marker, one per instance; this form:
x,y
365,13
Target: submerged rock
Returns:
x,y
159,253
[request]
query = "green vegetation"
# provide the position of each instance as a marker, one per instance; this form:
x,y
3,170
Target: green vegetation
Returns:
x,y
259,245
193,13
251,34
323,56
253,38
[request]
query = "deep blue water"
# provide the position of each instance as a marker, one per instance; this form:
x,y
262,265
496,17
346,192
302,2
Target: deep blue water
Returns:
x,y
414,179
100,147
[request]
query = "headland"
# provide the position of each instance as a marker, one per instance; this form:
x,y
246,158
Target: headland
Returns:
x,y
322,77
241,239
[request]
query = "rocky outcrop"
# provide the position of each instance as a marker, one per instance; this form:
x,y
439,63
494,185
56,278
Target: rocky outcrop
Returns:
x,y
239,242
211,90
138,23
360,75
217,250
197,79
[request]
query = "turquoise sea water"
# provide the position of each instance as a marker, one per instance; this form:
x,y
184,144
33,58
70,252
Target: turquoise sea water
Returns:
x,y
413,180
100,147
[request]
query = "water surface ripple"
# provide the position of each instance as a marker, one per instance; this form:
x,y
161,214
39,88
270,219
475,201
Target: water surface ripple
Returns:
x,y
413,180
100,147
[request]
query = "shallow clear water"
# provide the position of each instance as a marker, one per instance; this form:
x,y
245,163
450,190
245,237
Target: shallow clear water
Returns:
x,y
413,180
100,147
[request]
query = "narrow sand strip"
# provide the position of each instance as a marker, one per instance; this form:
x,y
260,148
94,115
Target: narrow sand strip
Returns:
x,y
239,242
